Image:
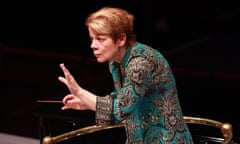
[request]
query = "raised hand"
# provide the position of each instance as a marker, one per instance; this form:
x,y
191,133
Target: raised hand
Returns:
x,y
73,100
69,80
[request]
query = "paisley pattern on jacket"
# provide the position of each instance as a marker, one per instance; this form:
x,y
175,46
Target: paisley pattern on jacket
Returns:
x,y
146,98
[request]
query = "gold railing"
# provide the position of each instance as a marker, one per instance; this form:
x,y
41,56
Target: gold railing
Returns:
x,y
226,130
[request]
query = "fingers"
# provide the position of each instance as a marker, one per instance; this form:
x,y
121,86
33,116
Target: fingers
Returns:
x,y
71,102
68,79
68,99
65,107
62,79
66,72
64,69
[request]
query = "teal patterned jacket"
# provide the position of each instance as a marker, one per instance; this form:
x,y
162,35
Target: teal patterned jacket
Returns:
x,y
146,98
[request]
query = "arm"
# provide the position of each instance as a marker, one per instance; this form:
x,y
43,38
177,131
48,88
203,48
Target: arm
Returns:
x,y
139,83
118,106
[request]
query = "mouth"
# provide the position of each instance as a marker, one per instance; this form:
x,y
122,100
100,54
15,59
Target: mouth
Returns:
x,y
97,55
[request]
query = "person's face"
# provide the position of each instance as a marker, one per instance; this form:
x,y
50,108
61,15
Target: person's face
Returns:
x,y
104,47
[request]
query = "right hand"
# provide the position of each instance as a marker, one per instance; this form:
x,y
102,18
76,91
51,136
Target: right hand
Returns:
x,y
73,100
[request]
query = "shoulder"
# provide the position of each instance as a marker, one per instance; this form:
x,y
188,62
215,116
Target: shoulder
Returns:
x,y
139,65
143,56
145,51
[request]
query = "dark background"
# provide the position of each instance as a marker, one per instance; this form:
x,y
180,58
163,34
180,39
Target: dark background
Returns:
x,y
200,40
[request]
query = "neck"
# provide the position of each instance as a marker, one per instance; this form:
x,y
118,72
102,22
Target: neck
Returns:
x,y
120,54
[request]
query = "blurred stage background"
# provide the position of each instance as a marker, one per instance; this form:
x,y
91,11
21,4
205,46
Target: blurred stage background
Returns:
x,y
200,40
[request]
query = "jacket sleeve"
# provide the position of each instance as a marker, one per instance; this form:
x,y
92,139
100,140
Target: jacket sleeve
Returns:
x,y
138,83
117,107
104,110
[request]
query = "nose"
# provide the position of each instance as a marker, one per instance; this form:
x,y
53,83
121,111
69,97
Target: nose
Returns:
x,y
93,44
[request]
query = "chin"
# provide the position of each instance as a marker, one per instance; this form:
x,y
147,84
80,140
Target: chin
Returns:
x,y
99,60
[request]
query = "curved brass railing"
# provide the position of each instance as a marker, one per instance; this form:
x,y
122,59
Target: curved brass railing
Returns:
x,y
78,132
226,129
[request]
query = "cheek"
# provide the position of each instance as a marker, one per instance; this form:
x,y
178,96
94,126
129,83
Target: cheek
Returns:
x,y
108,48
103,49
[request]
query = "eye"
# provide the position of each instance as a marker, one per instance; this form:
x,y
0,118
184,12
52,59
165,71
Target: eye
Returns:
x,y
101,39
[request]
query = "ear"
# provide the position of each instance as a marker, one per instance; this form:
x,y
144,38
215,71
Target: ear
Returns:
x,y
122,39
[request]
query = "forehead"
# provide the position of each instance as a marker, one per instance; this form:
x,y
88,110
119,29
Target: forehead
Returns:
x,y
93,33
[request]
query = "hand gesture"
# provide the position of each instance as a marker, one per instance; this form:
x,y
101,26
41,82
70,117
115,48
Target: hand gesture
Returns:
x,y
73,100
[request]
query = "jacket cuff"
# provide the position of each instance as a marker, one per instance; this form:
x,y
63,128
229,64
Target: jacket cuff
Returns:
x,y
104,111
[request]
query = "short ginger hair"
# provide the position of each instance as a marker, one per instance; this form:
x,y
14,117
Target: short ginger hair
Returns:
x,y
112,21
